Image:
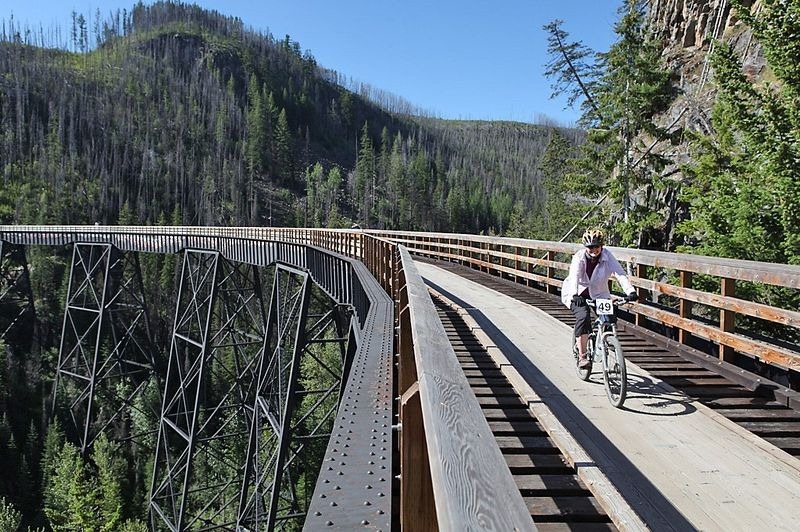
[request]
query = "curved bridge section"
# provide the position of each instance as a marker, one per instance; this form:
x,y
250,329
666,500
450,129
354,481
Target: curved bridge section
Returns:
x,y
227,329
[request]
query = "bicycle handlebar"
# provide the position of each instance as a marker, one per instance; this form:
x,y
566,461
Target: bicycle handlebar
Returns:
x,y
615,300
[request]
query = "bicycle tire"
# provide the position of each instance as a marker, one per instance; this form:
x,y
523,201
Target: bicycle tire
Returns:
x,y
585,372
615,374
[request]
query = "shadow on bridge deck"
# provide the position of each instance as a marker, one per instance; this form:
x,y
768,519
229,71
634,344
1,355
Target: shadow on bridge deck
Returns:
x,y
678,464
645,498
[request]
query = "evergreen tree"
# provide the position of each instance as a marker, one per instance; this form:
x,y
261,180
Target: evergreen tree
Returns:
x,y
630,89
365,177
560,207
315,187
283,150
71,495
10,517
744,189
110,471
256,134
573,68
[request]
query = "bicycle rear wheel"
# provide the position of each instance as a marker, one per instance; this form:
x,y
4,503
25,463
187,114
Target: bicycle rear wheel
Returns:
x,y
615,374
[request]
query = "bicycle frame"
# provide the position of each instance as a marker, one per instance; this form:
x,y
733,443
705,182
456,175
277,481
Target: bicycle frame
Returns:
x,y
604,345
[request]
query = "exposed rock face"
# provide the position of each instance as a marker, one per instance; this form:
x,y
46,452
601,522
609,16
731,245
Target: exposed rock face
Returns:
x,y
690,23
688,28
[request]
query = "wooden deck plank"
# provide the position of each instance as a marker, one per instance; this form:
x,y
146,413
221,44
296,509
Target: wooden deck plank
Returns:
x,y
684,465
557,508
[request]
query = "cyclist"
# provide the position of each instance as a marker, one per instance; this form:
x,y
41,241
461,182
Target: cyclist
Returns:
x,y
588,277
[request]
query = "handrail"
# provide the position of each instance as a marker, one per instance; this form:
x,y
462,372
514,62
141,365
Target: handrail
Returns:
x,y
472,486
515,259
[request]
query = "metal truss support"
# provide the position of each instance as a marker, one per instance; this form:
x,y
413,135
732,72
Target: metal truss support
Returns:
x,y
17,311
300,382
249,399
217,343
106,356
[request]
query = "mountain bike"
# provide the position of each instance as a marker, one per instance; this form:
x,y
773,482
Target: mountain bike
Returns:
x,y
603,346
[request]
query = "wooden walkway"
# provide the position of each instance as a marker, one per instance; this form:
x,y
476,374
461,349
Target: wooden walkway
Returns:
x,y
679,464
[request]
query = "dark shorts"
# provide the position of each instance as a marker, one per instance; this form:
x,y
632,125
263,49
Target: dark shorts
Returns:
x,y
583,317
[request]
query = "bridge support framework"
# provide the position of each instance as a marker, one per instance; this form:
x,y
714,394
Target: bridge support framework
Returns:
x,y
248,399
106,355
16,297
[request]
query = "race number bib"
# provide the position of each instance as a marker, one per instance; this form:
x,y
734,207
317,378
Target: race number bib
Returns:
x,y
604,306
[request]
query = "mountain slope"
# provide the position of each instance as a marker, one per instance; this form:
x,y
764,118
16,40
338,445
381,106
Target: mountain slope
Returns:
x,y
183,115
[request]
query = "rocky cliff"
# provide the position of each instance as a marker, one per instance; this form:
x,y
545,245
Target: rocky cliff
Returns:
x,y
688,29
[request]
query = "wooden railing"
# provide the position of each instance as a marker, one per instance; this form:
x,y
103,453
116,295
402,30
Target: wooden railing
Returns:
x,y
664,280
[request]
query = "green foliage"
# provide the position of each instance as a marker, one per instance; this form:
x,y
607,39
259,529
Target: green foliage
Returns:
x,y
110,469
623,90
572,66
133,526
10,517
562,207
71,495
744,189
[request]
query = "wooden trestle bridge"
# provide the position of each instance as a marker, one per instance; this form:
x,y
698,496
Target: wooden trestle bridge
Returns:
x,y
452,392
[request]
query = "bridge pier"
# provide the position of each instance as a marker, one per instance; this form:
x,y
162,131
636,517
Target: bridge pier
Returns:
x,y
106,354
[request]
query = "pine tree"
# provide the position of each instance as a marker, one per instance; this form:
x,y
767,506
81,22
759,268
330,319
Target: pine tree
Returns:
x,y
71,495
365,176
10,517
744,190
573,68
628,89
283,150
314,195
256,135
110,471
559,208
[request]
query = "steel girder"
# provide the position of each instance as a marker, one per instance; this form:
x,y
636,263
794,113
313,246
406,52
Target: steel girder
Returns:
x,y
230,451
17,310
106,356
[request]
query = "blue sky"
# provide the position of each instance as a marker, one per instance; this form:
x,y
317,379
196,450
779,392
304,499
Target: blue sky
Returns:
x,y
469,59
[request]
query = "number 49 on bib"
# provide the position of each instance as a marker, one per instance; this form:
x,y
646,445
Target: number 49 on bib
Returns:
x,y
604,306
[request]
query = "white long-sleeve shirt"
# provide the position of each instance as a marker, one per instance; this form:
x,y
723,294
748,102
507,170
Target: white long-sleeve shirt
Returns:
x,y
577,280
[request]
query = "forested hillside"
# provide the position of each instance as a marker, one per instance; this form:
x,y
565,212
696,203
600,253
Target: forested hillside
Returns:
x,y
172,113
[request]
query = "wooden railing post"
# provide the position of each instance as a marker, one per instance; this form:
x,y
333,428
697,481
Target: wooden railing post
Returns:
x,y
727,318
685,307
529,266
551,273
417,508
641,272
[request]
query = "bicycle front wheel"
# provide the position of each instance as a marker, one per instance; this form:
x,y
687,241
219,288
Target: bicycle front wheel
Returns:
x,y
615,375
